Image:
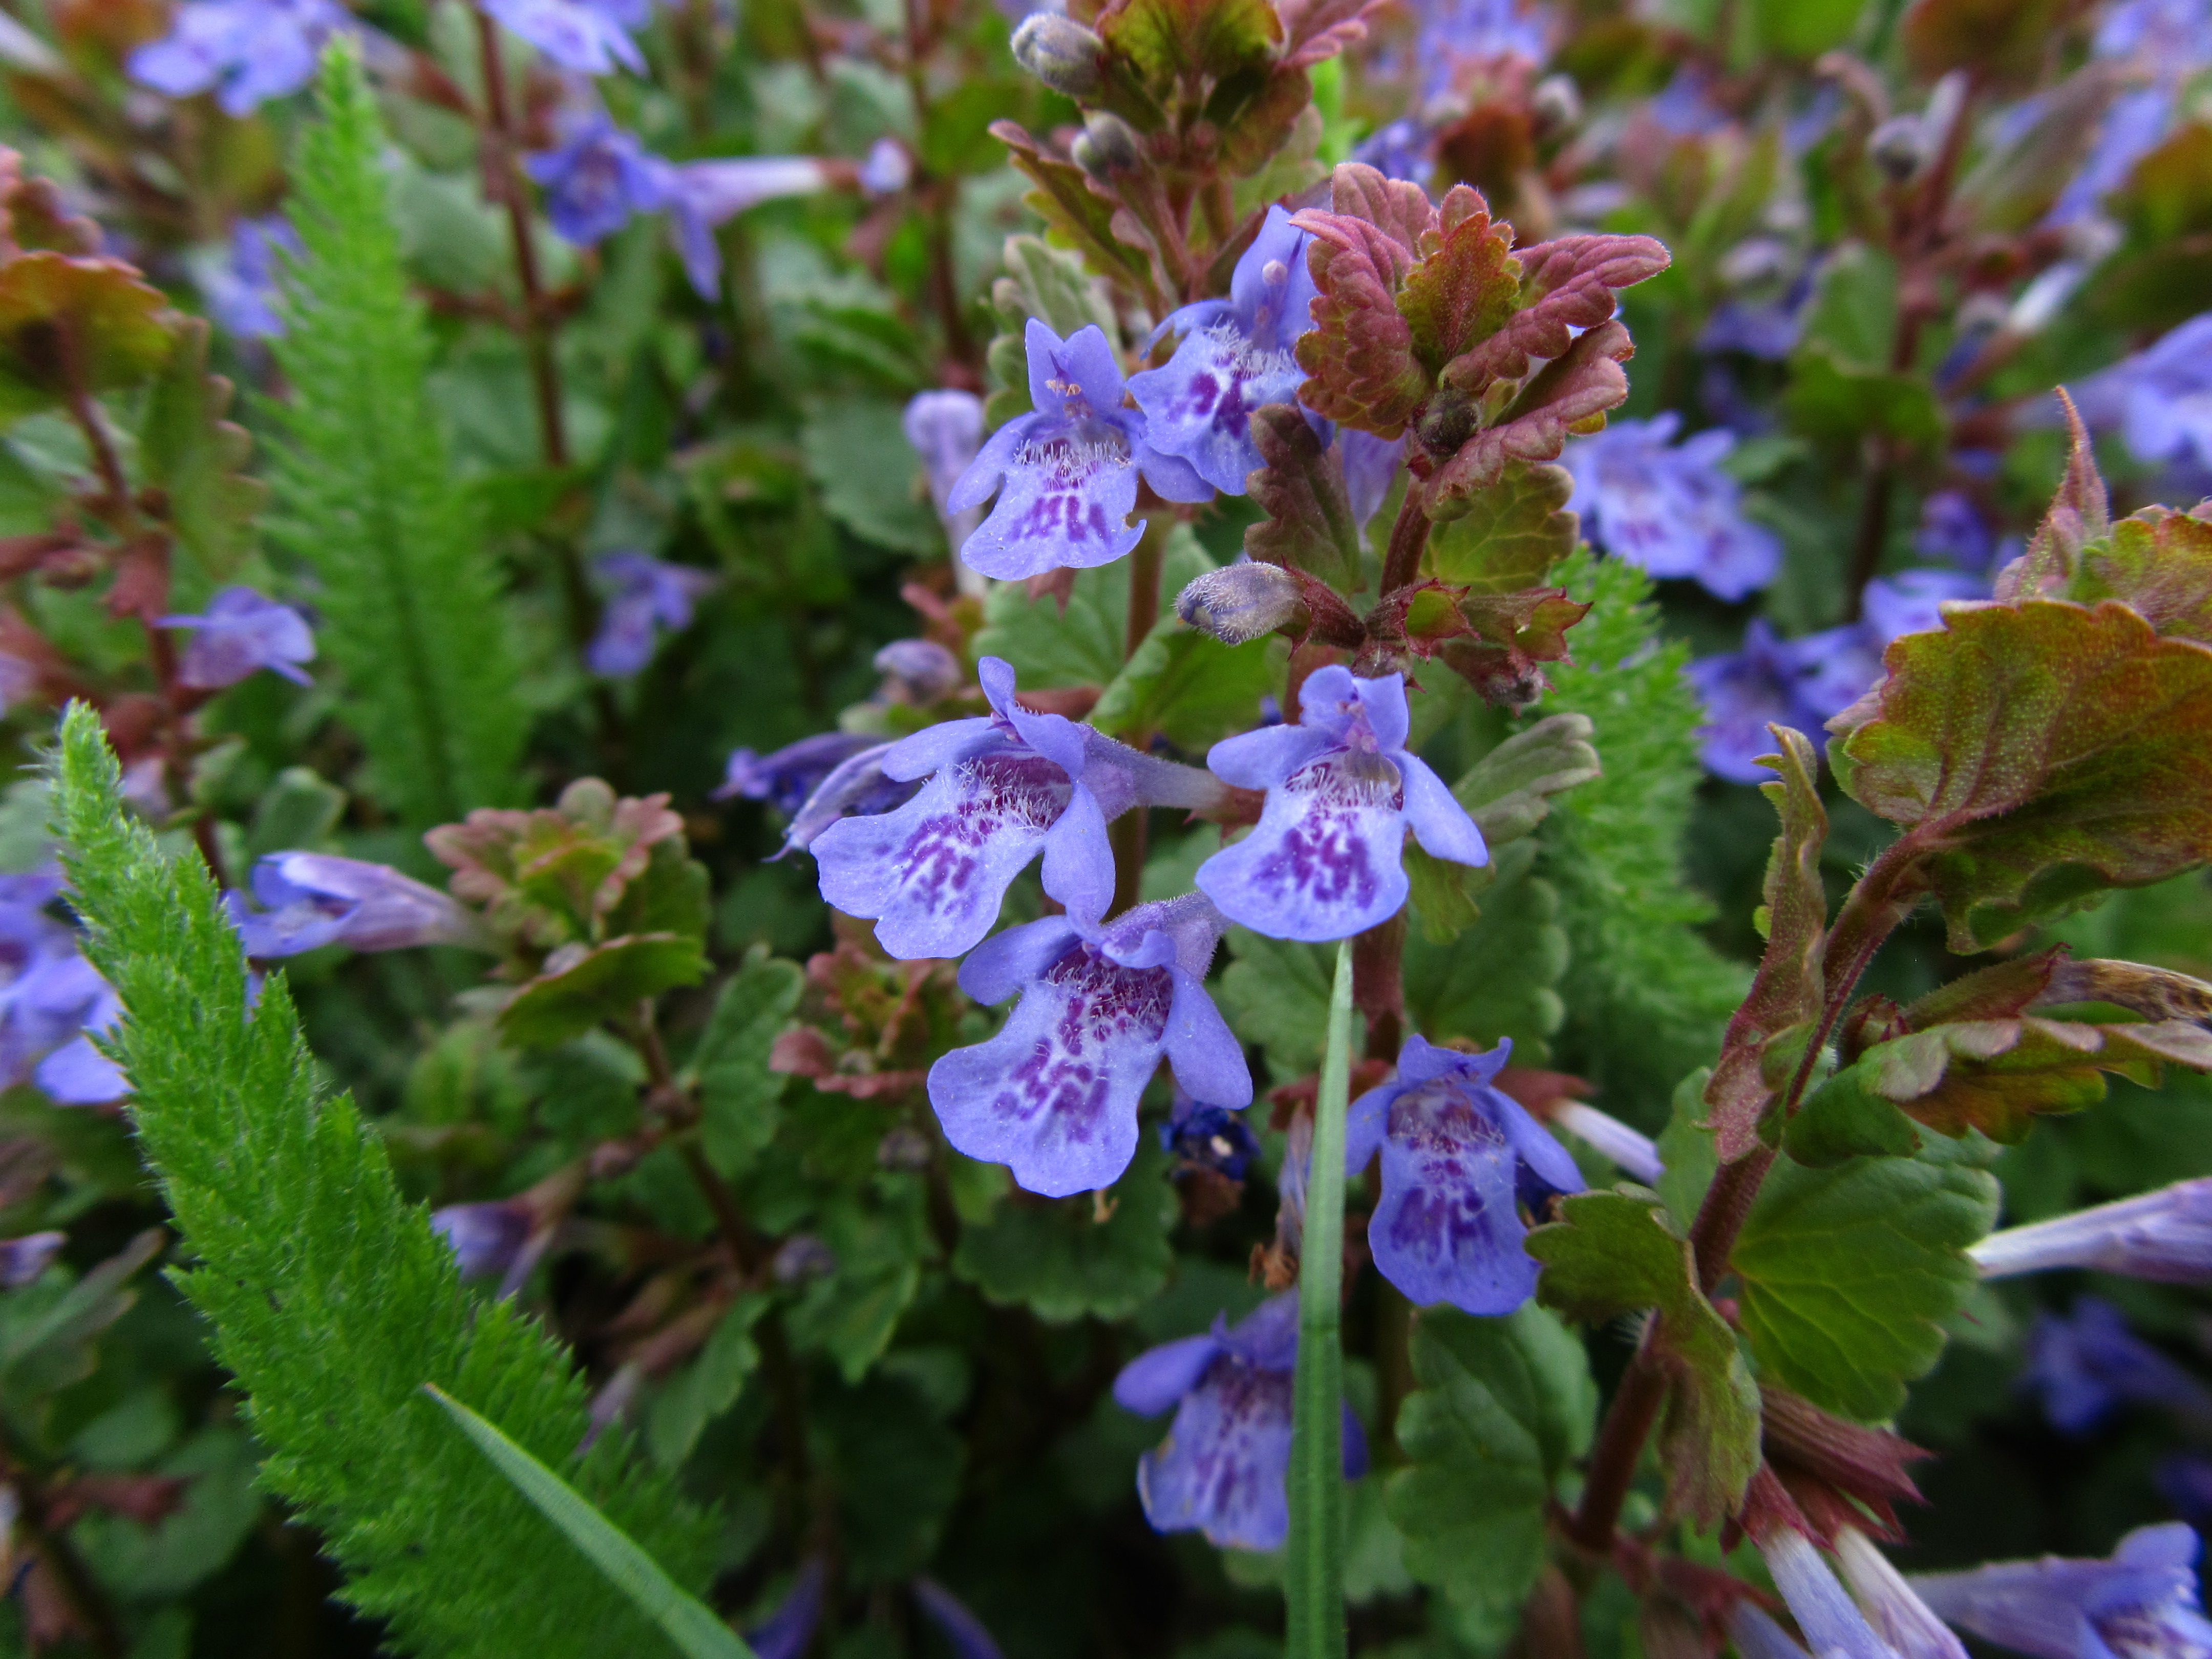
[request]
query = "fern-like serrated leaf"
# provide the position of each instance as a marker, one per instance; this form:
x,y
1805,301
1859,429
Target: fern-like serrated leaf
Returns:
x,y
1646,996
331,1300
365,496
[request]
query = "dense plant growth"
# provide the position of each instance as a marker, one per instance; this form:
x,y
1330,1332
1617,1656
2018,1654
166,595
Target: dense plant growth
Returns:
x,y
1189,827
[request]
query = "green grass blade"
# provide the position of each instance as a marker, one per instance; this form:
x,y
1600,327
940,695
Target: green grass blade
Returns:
x,y
1313,1575
691,1626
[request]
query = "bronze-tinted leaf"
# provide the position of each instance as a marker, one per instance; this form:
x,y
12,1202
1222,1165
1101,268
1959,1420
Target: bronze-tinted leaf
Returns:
x,y
65,323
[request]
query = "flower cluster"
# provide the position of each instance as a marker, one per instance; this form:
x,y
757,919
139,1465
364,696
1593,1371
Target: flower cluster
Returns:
x,y
1669,508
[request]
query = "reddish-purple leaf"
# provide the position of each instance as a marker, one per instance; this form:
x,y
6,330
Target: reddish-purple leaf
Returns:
x,y
1319,29
1566,286
2079,514
1569,395
1301,488
1360,355
1466,281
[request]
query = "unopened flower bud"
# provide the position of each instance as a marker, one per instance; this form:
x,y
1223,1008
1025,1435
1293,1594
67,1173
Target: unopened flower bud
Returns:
x,y
918,671
486,1238
22,1259
1557,104
1899,147
1755,259
904,1148
801,1258
1060,52
1107,145
1241,602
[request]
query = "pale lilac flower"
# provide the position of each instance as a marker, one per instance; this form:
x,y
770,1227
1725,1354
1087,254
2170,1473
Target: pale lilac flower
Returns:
x,y
962,1630
246,51
240,288
855,788
2087,1364
918,671
1953,530
1065,474
1003,788
1769,681
2165,1235
645,596
1454,33
1342,790
789,1631
1235,358
1370,467
785,777
701,195
947,428
2141,1604
1668,507
1460,1158
1898,1616
1053,1094
1630,1150
241,633
2159,399
591,37
1403,149
885,170
1757,1636
597,178
1912,601
310,900
22,1259
486,1239
1222,1468
1834,1628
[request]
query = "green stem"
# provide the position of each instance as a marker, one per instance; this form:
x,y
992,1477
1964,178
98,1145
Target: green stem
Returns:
x,y
1313,1574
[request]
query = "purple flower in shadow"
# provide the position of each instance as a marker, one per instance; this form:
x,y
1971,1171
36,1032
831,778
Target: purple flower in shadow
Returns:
x,y
1235,358
1065,474
22,1259
2141,1604
785,777
1952,529
1203,1137
789,1631
487,1239
597,178
240,285
241,632
1668,507
1003,788
315,899
245,51
49,998
645,595
1053,1094
965,1633
1221,1470
2085,1365
591,37
1459,1160
1324,862
701,195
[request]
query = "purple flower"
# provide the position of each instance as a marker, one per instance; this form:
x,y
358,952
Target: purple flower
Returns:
x,y
1834,1628
1459,1159
1342,791
588,36
315,899
918,671
240,288
1668,507
22,1259
1370,467
1455,32
1757,1636
1216,1138
1404,149
487,1239
1053,1094
50,997
701,195
1898,1615
855,788
2087,1365
2141,1604
241,632
645,595
789,1631
1221,1469
1745,690
1953,530
1631,1150
885,170
599,177
247,51
2165,1235
1065,474
1912,601
947,428
785,777
1766,329
2160,398
962,1631
1235,358
1003,788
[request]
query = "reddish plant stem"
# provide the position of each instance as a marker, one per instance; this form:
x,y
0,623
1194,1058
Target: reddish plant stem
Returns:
x,y
1880,899
79,1592
504,167
1409,538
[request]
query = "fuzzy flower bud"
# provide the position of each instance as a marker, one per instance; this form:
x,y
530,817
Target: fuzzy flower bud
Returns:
x,y
1899,147
1060,52
2165,1235
1241,602
1107,145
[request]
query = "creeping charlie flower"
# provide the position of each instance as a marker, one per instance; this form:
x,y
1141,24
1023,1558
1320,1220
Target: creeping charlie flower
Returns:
x,y
1325,861
785,777
1221,1470
701,195
1898,1616
598,177
22,1259
945,428
241,632
644,596
1003,788
1834,1627
238,281
246,51
2165,1235
315,899
1460,1158
1053,1094
2087,1365
2141,1604
1668,507
1235,358
591,37
2160,398
1066,474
